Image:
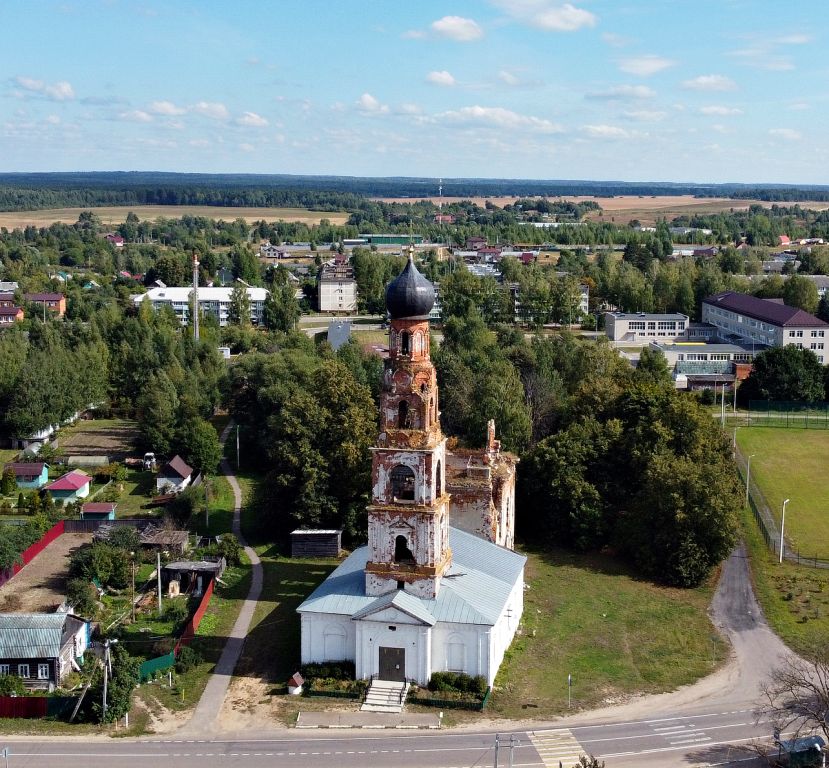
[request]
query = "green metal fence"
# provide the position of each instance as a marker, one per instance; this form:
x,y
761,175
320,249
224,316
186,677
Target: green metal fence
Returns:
x,y
151,666
784,413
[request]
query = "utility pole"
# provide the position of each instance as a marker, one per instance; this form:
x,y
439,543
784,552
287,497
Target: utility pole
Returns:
x,y
497,745
107,675
158,579
132,601
237,446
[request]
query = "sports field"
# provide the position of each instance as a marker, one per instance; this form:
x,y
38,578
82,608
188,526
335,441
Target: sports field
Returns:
x,y
114,215
791,464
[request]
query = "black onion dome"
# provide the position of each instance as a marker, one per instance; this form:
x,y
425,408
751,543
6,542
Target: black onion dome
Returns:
x,y
409,294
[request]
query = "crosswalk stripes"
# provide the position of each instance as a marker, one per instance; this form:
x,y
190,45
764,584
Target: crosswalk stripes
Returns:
x,y
557,747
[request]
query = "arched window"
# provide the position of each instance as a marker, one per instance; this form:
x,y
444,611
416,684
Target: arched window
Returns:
x,y
403,420
402,553
402,483
405,339
438,482
334,643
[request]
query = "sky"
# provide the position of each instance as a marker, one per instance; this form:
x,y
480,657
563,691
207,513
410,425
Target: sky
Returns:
x,y
631,90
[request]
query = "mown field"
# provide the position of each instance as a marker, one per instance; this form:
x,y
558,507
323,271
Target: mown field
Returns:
x,y
114,215
791,464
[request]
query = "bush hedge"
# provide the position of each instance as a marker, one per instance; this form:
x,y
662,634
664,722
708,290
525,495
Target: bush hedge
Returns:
x,y
457,682
336,670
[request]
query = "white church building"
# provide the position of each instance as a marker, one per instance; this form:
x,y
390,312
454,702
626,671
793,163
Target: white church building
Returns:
x,y
421,596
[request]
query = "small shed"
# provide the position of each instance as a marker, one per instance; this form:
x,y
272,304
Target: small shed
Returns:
x,y
174,476
190,576
98,510
316,543
169,539
70,487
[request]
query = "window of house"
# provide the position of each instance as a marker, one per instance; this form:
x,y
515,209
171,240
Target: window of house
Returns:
x,y
402,483
22,670
42,671
4,669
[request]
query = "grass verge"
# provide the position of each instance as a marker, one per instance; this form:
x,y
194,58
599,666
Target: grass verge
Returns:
x,y
589,617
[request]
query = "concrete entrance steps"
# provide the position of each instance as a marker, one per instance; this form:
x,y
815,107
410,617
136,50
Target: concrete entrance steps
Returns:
x,y
385,696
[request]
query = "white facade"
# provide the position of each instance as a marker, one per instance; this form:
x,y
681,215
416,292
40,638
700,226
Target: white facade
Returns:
x,y
212,301
337,290
643,327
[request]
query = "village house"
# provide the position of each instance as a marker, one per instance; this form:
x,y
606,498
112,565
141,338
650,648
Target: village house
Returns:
x,y
29,475
174,476
116,240
54,302
70,487
42,648
423,595
10,315
98,510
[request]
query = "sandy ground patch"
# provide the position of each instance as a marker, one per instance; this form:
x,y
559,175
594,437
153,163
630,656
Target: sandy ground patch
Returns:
x,y
40,586
114,215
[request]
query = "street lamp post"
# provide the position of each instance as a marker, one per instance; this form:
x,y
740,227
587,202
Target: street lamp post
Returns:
x,y
748,475
782,528
132,591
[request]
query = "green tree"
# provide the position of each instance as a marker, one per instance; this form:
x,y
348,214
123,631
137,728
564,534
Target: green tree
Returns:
x,y
801,292
8,484
156,412
239,309
653,366
125,676
281,311
785,373
823,308
199,445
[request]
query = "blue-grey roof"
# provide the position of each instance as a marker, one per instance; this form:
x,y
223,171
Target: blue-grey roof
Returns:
x,y
33,635
474,590
403,601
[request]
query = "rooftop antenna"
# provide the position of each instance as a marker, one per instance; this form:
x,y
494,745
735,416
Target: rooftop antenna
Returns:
x,y
195,296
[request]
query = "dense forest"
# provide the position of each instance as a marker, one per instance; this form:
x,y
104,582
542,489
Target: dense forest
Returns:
x,y
24,191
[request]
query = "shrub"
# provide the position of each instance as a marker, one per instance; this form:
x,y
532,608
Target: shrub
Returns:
x,y
706,397
126,538
458,682
229,548
176,611
82,595
187,659
11,685
163,646
336,670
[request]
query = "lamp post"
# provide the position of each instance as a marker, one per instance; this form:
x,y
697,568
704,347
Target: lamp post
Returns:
x,y
132,591
782,528
748,475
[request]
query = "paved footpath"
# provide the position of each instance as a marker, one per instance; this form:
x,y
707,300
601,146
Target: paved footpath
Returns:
x,y
214,694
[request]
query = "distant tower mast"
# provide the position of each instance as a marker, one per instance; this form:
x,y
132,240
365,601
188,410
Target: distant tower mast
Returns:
x,y
195,296
440,195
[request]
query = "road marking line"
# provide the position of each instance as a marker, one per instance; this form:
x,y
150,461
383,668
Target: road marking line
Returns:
x,y
556,745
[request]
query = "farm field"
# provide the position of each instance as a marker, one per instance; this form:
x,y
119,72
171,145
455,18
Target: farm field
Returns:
x,y
40,585
114,215
647,209
791,464
110,437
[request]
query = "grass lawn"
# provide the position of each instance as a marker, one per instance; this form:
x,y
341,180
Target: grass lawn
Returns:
x,y
6,455
794,598
220,513
371,337
791,464
138,490
589,617
112,437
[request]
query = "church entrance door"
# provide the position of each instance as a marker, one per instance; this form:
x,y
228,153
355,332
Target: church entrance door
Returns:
x,y
393,664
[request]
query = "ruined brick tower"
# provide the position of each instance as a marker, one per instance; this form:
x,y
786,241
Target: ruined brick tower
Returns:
x,y
408,525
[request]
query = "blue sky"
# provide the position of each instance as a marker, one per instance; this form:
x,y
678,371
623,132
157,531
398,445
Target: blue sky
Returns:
x,y
675,90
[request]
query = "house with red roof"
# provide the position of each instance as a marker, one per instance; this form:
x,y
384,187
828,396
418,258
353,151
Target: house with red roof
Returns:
x,y
54,302
784,240
33,474
70,487
10,315
116,240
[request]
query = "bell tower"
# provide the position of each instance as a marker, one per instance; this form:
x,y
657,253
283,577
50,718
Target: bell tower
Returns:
x,y
408,526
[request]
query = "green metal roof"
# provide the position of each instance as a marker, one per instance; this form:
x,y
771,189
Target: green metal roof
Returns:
x,y
32,635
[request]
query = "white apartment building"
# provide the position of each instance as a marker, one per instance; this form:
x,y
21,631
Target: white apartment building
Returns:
x,y
748,320
644,327
212,301
337,289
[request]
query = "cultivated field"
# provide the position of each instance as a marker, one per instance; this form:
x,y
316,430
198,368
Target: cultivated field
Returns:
x,y
646,209
100,437
791,464
113,215
41,585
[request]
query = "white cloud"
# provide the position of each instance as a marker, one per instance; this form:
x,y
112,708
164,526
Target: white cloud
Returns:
x,y
441,77
136,116
606,132
409,109
457,28
211,109
413,34
720,110
710,83
794,39
369,105
245,147
199,143
252,119
53,120
548,15
166,108
508,78
623,93
645,66
60,91
645,115
617,41
789,134
500,118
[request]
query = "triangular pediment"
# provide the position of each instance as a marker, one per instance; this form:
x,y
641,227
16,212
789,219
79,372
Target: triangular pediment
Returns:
x,y
396,607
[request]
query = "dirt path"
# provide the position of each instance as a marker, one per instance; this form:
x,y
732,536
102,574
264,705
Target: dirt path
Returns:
x,y
210,704
41,585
